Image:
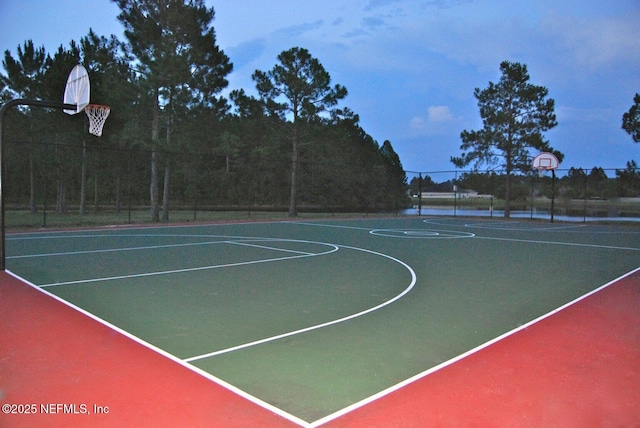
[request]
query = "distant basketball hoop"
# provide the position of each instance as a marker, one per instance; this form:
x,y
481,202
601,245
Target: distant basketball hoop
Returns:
x,y
545,161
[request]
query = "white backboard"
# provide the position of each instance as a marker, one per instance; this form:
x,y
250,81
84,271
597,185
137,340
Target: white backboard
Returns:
x,y
77,90
545,161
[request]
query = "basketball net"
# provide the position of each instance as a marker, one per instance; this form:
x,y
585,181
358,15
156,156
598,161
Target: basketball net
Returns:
x,y
97,115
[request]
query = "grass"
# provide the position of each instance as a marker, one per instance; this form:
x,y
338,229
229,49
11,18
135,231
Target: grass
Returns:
x,y
17,219
613,207
25,220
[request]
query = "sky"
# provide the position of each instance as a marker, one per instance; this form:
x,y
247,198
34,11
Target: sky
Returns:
x,y
411,66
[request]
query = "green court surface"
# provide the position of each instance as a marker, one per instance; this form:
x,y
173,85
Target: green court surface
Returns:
x,y
312,317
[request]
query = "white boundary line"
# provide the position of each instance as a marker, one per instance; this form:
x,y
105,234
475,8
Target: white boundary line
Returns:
x,y
347,409
567,244
298,255
304,253
535,227
421,233
326,324
405,233
172,357
113,250
186,362
475,350
335,226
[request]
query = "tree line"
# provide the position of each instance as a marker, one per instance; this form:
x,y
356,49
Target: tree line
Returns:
x,y
515,114
572,183
172,138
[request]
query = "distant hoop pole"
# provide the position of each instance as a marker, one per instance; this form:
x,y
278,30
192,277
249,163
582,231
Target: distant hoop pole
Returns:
x,y
3,110
547,161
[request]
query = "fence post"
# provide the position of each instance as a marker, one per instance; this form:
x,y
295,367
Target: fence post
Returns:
x,y
3,110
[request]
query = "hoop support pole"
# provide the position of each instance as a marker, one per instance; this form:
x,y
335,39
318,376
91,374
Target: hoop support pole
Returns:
x,y
3,110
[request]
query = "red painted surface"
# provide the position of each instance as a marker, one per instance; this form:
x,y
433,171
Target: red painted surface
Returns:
x,y
577,368
52,355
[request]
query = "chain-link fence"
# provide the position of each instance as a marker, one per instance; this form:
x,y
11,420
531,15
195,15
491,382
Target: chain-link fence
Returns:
x,y
49,184
567,194
98,183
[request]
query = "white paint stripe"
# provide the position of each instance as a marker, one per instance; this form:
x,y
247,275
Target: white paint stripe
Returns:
x,y
71,235
113,250
532,227
66,233
409,233
148,247
171,357
421,233
269,248
201,268
323,325
335,226
477,349
569,228
569,244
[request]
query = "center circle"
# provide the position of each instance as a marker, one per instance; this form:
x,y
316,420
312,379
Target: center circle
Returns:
x,y
421,233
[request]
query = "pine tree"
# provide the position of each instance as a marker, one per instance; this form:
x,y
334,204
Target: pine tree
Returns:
x,y
514,113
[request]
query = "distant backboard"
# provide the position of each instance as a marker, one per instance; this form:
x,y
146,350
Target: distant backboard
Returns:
x,y
545,161
77,90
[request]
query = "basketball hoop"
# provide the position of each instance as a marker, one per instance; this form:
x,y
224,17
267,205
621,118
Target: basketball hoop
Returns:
x,y
97,115
545,161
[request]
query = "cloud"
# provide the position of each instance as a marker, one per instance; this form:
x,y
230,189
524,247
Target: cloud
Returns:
x,y
439,114
373,22
423,58
357,32
246,52
594,42
446,4
375,4
439,121
417,123
298,30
